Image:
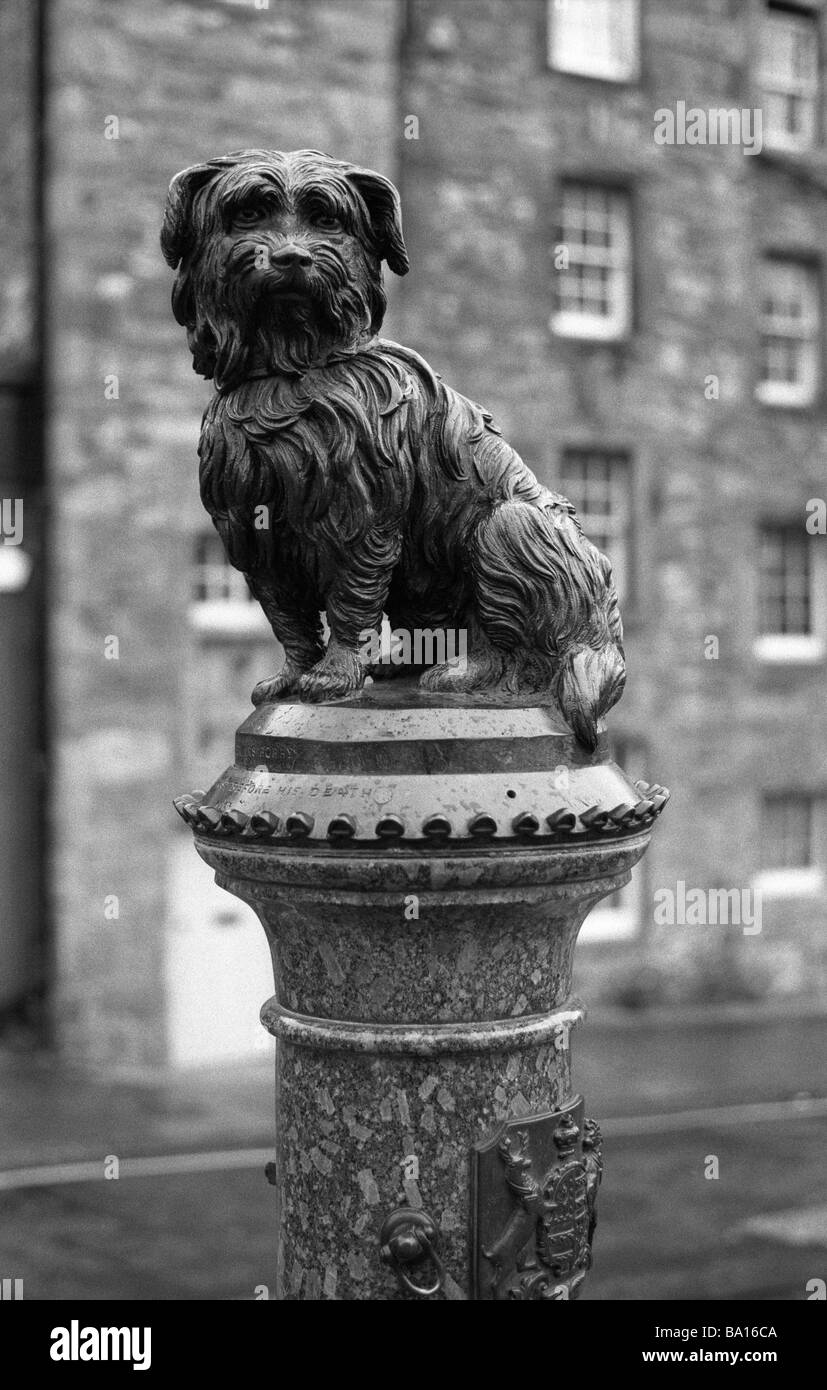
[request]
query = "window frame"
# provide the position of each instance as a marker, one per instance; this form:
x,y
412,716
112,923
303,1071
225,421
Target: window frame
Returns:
x,y
791,648
630,77
794,880
768,85
575,324
625,528
772,391
236,615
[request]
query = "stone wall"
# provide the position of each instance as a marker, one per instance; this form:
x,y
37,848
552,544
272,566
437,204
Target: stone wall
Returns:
x,y
498,129
184,81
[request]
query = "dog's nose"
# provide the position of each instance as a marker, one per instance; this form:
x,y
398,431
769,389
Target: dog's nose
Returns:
x,y
290,258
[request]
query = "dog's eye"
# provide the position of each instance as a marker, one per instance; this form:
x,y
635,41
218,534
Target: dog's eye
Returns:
x,y
327,224
250,216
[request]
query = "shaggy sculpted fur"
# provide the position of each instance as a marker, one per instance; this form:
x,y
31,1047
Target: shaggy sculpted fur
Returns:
x,y
344,476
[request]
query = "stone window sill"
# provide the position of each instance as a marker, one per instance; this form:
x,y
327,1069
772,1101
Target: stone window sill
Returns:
x,y
790,883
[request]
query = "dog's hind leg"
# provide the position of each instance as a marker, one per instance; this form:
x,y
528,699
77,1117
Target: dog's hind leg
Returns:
x,y
545,594
477,666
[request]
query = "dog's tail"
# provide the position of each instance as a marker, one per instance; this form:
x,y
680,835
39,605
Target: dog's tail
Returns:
x,y
589,682
546,594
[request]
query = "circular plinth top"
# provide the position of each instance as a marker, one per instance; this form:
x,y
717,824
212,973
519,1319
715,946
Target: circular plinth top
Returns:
x,y
393,730
397,768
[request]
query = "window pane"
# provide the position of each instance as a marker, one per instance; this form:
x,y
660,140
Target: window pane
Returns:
x,y
593,290
790,332
595,38
788,74
214,579
597,484
785,581
787,831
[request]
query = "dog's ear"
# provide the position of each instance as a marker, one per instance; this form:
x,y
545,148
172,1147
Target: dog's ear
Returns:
x,y
175,233
385,212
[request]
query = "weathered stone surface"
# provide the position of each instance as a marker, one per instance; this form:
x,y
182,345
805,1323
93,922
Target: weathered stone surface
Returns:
x,y
386,1110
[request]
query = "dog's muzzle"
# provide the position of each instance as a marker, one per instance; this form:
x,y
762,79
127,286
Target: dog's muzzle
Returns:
x,y
288,269
284,269
290,259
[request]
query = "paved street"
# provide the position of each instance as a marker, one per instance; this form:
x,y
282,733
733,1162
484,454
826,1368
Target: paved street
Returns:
x,y
671,1100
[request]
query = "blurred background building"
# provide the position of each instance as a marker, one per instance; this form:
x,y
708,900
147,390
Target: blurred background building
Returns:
x,y
646,323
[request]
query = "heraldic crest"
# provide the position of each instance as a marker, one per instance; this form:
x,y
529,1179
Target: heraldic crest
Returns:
x,y
536,1190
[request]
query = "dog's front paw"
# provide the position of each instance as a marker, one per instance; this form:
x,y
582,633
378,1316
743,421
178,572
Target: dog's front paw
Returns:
x,y
451,677
340,672
285,682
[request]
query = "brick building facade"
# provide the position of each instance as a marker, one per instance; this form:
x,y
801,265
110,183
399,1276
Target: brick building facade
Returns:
x,y
650,385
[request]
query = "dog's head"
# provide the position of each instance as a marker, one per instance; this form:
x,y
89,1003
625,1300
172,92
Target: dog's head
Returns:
x,y
279,258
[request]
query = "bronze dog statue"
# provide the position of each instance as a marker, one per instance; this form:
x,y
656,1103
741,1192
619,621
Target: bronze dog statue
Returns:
x,y
344,476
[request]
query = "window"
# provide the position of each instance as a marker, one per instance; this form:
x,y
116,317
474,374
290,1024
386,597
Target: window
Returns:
x,y
593,263
618,917
785,581
221,601
790,331
788,77
598,485
790,597
790,831
787,831
214,579
595,38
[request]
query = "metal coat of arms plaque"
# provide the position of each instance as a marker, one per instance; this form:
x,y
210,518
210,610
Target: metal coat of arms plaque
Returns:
x,y
535,1189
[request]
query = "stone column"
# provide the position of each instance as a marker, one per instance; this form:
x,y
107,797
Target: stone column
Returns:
x,y
421,865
